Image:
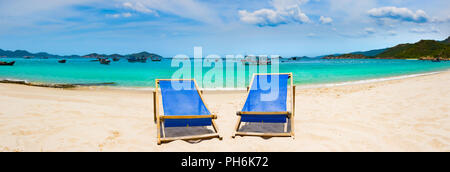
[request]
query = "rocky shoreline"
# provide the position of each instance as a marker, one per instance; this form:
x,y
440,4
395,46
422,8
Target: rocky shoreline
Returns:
x,y
65,86
347,56
360,56
432,58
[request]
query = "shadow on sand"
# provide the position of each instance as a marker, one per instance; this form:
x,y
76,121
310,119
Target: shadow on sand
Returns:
x,y
259,127
188,131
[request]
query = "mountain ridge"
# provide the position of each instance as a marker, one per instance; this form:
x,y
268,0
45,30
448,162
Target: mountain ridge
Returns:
x,y
423,49
24,53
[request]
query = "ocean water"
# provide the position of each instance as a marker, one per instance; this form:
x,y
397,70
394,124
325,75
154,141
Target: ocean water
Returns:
x,y
214,75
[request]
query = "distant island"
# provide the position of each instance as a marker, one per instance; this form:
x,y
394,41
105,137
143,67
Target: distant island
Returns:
x,y
26,54
300,58
135,55
422,50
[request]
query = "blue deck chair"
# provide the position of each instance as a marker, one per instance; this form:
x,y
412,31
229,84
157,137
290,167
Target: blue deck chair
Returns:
x,y
267,103
183,106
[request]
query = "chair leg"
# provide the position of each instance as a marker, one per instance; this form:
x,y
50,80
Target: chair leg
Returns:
x,y
293,112
292,126
285,126
215,128
236,129
154,105
158,131
163,130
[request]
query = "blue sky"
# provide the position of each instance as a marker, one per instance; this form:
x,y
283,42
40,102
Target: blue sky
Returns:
x,y
171,27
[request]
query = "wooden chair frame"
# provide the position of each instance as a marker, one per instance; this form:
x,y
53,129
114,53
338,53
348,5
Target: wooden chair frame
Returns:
x,y
159,119
290,115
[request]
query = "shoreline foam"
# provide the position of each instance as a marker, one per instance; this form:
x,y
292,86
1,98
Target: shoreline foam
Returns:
x,y
305,86
367,81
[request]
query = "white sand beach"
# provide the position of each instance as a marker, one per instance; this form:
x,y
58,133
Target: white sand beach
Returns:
x,y
399,115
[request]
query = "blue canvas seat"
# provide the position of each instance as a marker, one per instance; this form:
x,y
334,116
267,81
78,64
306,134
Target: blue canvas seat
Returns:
x,y
267,102
183,106
183,102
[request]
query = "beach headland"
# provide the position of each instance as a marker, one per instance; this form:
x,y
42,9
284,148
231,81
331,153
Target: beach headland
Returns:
x,y
409,114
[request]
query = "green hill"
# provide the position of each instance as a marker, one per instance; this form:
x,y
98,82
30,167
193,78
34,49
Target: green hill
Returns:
x,y
23,53
371,52
423,48
447,41
94,55
17,53
365,54
144,55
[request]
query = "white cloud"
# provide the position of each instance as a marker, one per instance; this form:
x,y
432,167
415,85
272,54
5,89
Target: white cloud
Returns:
x,y
369,30
262,17
350,10
417,30
441,20
401,14
423,30
33,11
138,7
392,33
113,15
190,9
48,14
285,11
28,7
312,35
125,15
325,20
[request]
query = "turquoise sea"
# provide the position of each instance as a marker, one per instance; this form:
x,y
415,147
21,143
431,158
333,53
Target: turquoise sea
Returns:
x,y
143,75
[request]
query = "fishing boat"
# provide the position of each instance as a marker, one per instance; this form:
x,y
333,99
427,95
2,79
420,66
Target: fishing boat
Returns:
x,y
156,58
256,60
137,59
7,63
116,59
105,61
62,61
436,60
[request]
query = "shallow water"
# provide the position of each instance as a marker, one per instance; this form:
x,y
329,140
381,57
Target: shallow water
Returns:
x,y
125,74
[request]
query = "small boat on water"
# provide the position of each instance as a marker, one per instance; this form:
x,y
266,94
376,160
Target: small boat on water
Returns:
x,y
156,58
105,61
436,60
62,61
137,59
116,59
256,60
7,63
